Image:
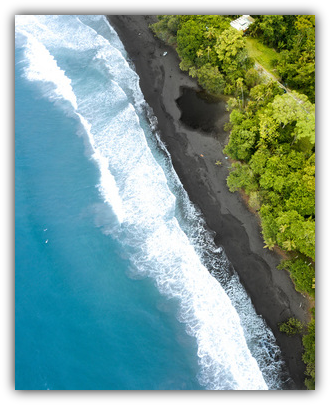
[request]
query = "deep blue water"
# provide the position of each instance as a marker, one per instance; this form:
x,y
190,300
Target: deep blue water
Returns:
x,y
81,323
112,288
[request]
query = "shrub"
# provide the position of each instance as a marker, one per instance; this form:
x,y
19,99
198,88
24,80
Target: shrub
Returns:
x,y
302,274
291,327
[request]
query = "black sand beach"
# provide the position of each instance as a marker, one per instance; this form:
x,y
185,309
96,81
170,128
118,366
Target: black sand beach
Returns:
x,y
194,150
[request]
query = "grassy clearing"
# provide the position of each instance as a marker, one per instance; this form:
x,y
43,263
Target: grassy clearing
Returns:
x,y
262,54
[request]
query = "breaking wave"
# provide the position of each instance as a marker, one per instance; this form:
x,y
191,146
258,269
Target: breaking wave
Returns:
x,y
162,233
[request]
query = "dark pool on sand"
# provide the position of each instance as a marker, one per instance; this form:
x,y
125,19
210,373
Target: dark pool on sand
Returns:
x,y
201,112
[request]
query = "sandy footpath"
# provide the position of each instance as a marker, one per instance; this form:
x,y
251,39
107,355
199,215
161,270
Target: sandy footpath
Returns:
x,y
237,229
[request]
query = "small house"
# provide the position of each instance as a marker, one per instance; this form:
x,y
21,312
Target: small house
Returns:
x,y
242,23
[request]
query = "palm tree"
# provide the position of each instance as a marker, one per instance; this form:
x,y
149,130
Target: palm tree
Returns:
x,y
283,227
199,53
239,83
289,244
208,52
210,33
269,244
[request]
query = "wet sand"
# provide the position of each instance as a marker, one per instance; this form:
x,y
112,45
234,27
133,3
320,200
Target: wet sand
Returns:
x,y
195,144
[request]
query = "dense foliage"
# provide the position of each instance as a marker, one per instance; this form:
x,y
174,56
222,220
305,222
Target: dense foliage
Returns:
x,y
309,355
291,327
294,37
209,48
272,132
274,144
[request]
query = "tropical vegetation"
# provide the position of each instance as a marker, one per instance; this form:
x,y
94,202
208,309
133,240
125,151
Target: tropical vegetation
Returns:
x,y
272,125
291,327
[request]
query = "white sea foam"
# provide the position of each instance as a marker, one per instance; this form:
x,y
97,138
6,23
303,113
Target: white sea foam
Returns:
x,y
107,186
43,68
105,95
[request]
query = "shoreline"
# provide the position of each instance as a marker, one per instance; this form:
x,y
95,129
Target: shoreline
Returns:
x,y
194,153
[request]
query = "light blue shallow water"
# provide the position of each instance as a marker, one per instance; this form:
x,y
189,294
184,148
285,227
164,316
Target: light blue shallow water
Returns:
x,y
112,283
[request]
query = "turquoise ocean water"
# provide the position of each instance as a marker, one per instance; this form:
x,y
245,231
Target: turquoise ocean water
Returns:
x,y
113,289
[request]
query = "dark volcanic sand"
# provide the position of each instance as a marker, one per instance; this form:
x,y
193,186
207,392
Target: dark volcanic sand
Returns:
x,y
164,87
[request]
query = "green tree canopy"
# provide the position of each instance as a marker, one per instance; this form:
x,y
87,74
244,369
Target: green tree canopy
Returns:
x,y
232,54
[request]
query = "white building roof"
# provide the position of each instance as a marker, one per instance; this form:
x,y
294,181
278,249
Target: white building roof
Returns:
x,y
242,23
